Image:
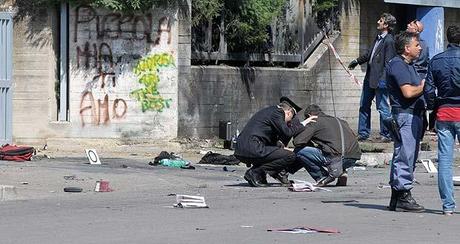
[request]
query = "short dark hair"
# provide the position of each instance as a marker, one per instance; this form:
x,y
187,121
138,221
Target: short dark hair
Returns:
x,y
390,20
403,39
312,109
453,34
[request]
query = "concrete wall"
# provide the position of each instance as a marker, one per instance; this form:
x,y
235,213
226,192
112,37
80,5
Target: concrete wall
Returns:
x,y
34,76
233,93
123,74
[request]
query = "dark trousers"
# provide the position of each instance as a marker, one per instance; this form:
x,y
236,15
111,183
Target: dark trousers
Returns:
x,y
278,160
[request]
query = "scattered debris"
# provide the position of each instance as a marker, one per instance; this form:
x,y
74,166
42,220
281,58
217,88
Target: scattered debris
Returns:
x,y
340,201
203,186
92,156
382,186
456,180
70,177
228,170
203,152
171,160
102,186
73,189
305,186
429,166
219,159
16,153
425,146
306,230
7,192
188,201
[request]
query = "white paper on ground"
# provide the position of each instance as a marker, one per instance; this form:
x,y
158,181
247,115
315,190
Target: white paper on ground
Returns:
x,y
429,166
305,186
188,201
456,180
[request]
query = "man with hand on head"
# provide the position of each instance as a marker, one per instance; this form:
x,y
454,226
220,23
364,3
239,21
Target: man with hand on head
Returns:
x,y
421,63
261,143
327,147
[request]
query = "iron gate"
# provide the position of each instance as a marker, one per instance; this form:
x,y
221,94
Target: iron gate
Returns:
x,y
6,70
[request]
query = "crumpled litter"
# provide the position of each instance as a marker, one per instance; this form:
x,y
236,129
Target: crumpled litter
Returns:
x,y
305,186
306,230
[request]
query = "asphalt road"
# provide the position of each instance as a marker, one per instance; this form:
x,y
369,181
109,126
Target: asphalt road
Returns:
x,y
139,210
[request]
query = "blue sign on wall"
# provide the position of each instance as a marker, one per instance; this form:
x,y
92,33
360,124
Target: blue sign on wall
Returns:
x,y
433,20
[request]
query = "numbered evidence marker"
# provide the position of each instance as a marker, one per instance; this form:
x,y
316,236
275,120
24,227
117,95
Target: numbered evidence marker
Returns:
x,y
429,166
92,156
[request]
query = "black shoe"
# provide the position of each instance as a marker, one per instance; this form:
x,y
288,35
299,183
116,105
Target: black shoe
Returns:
x,y
282,177
393,200
406,203
342,179
254,179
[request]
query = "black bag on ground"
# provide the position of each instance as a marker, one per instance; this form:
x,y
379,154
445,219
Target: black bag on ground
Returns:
x,y
219,159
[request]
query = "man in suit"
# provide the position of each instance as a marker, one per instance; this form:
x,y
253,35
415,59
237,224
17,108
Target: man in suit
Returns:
x,y
261,143
374,84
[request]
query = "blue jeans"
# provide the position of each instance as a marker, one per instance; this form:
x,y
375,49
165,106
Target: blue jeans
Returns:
x,y
405,151
446,143
381,98
315,163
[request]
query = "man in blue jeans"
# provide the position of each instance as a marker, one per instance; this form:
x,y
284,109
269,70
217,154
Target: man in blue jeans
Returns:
x,y
444,76
319,147
407,107
374,85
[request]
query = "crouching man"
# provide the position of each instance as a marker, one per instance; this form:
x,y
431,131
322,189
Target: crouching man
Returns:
x,y
326,148
261,143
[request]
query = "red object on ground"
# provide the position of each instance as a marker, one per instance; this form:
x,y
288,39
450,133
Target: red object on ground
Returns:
x,y
16,153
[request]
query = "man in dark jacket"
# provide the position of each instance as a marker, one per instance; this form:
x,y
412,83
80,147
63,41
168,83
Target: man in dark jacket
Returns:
x,y
444,76
374,85
262,141
320,160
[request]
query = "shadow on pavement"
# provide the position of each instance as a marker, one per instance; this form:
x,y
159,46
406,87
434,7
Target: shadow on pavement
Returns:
x,y
247,185
384,207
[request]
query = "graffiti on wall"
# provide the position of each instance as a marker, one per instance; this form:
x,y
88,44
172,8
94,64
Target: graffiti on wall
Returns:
x,y
114,25
101,99
148,70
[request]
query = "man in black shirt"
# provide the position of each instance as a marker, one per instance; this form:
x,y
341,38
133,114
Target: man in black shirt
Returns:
x,y
261,143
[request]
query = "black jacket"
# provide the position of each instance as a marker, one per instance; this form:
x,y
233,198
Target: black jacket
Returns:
x,y
376,69
325,132
262,132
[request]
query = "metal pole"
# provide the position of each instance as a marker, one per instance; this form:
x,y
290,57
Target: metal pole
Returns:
x,y
63,60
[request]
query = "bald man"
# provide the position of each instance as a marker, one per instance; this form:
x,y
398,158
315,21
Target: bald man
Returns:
x,y
421,64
